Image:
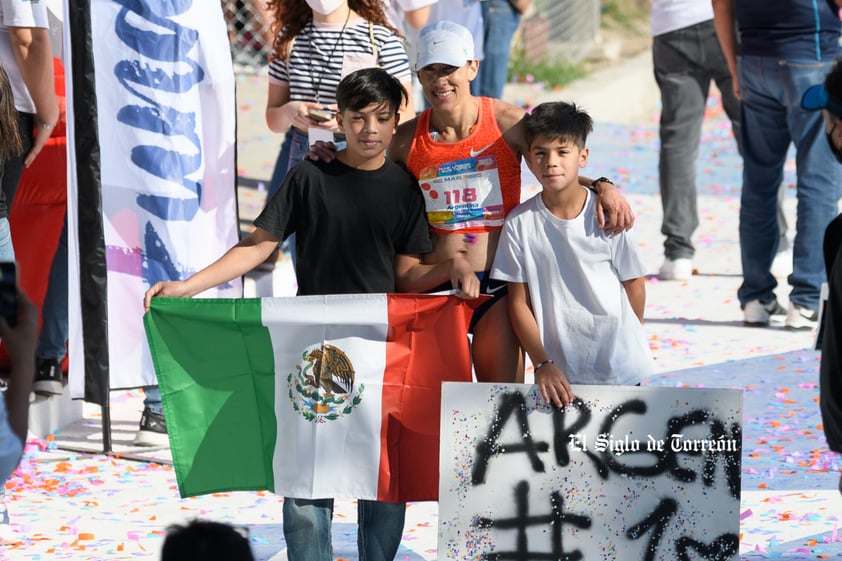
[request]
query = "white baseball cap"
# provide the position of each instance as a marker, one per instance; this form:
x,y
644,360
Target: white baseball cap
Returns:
x,y
444,42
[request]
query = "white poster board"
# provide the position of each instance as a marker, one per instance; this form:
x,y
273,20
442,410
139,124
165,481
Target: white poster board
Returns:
x,y
627,473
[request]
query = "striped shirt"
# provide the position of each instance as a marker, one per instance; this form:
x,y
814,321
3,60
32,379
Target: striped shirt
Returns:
x,y
323,54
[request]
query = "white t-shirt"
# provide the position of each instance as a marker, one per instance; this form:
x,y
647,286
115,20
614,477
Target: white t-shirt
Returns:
x,y
395,10
11,448
19,13
669,15
467,13
395,13
573,271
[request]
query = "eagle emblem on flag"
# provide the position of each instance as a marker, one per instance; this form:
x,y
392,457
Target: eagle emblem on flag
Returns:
x,y
323,388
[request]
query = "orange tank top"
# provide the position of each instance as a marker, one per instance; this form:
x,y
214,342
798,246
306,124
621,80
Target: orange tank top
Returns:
x,y
470,185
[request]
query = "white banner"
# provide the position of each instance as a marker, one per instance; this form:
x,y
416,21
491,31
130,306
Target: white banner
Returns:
x,y
626,473
166,134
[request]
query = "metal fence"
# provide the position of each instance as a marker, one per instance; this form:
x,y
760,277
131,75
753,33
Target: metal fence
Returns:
x,y
560,29
564,29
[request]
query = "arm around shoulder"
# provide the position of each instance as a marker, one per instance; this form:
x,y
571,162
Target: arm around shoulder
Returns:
x,y
613,211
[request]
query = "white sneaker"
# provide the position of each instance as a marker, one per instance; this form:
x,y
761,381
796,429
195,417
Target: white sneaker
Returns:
x,y
800,319
680,269
758,314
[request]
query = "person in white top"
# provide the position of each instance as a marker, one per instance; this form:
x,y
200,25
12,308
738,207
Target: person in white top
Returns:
x,y
408,15
686,58
576,293
27,56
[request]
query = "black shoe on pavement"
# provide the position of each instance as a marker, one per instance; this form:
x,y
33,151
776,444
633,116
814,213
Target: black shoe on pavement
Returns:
x,y
47,377
153,430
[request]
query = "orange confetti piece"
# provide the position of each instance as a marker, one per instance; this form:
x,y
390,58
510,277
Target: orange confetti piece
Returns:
x,y
85,536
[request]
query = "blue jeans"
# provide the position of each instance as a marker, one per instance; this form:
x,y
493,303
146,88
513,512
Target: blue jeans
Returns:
x,y
307,525
686,61
53,337
7,250
152,400
771,118
500,21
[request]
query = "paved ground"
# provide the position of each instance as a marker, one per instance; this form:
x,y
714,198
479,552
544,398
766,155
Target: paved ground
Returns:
x,y
89,506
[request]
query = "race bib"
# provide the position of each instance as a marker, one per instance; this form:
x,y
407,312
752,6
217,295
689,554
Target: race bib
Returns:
x,y
463,194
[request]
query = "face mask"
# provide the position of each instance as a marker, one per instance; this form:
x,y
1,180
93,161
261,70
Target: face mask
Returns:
x,y
324,7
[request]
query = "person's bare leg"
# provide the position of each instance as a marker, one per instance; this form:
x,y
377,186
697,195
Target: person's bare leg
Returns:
x,y
495,349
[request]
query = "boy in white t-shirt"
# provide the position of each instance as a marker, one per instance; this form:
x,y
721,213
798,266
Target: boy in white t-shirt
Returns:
x,y
576,294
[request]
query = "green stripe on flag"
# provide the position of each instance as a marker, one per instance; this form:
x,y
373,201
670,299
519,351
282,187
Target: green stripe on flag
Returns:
x,y
215,368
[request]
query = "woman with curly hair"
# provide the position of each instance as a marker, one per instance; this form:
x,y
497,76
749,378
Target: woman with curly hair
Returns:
x,y
11,146
317,43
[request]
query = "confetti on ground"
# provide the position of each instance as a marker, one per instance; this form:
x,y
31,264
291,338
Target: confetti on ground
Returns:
x,y
95,507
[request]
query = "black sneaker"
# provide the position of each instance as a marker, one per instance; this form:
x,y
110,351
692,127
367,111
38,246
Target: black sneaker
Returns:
x,y
153,430
47,376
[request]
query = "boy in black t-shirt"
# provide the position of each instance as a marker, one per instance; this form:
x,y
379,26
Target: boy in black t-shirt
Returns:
x,y
360,227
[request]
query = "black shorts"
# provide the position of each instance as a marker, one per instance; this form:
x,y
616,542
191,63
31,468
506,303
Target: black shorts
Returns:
x,y
495,288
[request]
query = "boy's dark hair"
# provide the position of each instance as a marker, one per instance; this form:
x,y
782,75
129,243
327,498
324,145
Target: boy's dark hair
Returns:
x,y
363,87
206,541
558,120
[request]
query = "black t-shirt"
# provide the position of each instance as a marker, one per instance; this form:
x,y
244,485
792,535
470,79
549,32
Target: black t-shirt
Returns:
x,y
349,225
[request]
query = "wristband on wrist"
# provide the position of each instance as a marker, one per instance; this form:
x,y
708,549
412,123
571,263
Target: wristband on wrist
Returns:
x,y
601,180
543,363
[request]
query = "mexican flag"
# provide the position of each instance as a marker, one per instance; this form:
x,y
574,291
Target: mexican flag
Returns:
x,y
308,396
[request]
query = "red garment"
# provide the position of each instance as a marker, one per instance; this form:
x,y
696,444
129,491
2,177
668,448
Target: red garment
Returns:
x,y
470,185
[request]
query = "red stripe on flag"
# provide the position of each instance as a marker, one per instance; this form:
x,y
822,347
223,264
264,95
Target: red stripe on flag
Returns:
x,y
427,345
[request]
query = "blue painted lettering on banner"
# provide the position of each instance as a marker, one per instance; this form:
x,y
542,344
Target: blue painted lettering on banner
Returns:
x,y
148,29
167,163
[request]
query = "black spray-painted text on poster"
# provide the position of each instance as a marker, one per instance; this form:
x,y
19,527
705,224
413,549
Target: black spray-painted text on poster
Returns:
x,y
625,473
